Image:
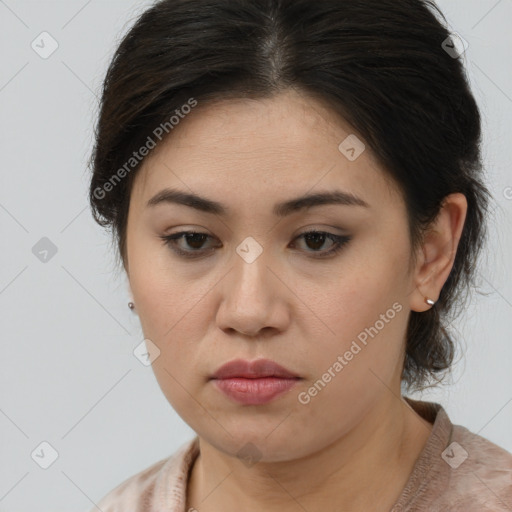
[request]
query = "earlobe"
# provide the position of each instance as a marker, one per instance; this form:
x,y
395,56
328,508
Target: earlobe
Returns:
x,y
131,304
438,251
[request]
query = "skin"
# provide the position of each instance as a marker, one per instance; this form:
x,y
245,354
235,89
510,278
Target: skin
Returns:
x,y
356,441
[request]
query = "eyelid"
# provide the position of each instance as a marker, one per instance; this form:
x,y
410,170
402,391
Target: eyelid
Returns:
x,y
339,241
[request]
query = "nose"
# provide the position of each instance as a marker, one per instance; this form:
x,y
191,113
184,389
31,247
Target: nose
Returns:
x,y
253,299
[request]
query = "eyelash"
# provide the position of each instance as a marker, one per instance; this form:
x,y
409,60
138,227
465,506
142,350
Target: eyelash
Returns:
x,y
170,240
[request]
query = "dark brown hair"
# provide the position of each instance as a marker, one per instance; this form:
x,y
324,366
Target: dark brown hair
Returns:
x,y
381,64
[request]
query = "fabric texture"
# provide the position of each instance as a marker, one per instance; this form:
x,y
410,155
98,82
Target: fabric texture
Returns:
x,y
457,471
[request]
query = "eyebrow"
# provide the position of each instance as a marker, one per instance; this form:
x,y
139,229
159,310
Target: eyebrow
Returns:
x,y
174,196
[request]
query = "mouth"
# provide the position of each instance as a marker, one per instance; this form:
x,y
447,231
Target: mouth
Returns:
x,y
253,383
259,368
254,391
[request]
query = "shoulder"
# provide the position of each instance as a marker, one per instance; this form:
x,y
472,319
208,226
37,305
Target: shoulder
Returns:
x,y
458,470
479,472
144,491
134,489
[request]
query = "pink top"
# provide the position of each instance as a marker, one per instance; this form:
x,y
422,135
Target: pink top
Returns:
x,y
456,471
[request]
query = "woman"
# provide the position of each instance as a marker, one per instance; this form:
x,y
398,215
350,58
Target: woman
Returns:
x,y
295,189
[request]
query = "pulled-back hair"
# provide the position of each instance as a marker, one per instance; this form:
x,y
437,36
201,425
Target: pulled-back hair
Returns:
x,y
383,65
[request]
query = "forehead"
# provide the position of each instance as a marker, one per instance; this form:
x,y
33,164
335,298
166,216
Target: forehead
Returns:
x,y
254,149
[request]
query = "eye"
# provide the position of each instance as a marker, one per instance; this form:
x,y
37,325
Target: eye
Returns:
x,y
195,240
316,239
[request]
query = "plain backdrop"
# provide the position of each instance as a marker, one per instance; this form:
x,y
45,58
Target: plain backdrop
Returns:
x,y
69,377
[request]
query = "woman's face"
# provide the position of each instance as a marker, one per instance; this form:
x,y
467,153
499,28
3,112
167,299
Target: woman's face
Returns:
x,y
255,288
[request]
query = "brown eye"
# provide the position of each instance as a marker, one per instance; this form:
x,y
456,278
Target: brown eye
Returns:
x,y
192,240
316,239
194,243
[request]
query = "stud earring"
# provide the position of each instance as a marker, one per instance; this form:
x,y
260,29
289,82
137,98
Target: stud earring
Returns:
x,y
131,305
430,302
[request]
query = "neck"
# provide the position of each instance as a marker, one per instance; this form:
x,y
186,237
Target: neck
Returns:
x,y
365,469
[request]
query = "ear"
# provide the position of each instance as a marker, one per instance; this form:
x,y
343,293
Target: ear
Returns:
x,y
436,255
128,288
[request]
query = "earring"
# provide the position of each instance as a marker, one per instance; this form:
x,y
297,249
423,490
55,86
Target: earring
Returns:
x,y
430,302
131,305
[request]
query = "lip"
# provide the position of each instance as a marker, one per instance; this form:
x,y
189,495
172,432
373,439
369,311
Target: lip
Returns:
x,y
254,391
253,382
253,370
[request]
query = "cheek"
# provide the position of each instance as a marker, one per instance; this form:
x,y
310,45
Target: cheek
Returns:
x,y
365,328
171,312
359,362
364,315
154,286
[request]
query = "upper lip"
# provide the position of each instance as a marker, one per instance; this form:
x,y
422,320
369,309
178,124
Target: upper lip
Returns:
x,y
252,370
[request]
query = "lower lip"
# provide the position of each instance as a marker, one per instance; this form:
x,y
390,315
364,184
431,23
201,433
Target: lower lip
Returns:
x,y
254,391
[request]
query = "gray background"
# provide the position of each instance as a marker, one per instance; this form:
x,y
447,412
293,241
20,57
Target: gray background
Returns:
x,y
69,376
